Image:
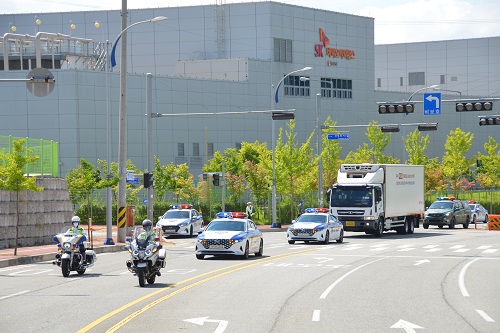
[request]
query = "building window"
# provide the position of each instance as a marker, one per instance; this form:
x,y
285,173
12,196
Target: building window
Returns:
x,y
416,79
336,88
237,145
295,86
454,78
441,80
196,149
401,81
210,149
180,149
379,82
282,50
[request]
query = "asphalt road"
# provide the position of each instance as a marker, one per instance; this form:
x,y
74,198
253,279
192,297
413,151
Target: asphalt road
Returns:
x,y
436,280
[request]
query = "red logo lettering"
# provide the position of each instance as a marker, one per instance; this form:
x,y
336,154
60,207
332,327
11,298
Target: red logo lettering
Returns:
x,y
319,50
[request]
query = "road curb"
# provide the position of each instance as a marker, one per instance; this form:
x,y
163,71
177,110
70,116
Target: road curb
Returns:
x,y
24,260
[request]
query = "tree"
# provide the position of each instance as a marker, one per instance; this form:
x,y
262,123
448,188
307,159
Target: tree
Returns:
x,y
373,153
488,170
416,145
12,177
455,163
295,166
330,156
84,179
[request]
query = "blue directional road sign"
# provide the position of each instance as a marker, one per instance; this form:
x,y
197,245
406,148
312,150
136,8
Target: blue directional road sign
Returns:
x,y
340,136
432,104
132,179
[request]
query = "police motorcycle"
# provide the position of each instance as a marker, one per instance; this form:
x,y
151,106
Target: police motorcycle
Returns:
x,y
147,256
71,253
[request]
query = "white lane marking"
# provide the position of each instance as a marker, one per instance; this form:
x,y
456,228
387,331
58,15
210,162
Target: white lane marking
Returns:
x,y
433,250
430,246
407,249
316,314
379,248
404,246
379,245
461,278
490,250
29,272
352,247
420,262
13,268
483,247
327,291
16,294
485,316
456,247
461,250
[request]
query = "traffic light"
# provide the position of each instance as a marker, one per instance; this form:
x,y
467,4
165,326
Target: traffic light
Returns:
x,y
283,115
474,106
489,120
427,127
389,129
215,179
396,108
148,179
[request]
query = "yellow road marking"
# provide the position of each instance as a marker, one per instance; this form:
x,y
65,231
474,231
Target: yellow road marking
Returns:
x,y
230,269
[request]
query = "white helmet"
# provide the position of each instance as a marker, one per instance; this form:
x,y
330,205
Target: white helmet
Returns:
x,y
75,220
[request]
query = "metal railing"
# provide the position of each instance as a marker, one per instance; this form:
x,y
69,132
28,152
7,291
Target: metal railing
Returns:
x,y
47,150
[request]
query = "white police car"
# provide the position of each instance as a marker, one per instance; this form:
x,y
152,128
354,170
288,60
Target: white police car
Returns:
x,y
180,220
315,225
230,233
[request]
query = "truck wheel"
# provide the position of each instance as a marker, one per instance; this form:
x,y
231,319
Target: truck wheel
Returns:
x,y
466,224
452,223
485,219
380,229
426,226
440,226
411,226
200,256
291,242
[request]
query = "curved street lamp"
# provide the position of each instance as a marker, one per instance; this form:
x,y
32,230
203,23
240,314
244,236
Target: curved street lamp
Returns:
x,y
434,86
273,102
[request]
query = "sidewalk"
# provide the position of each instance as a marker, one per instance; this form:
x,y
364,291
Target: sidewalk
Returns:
x,y
31,254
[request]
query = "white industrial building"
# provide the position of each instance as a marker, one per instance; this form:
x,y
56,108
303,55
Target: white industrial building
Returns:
x,y
228,58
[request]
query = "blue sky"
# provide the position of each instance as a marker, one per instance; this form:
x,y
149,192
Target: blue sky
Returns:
x,y
396,21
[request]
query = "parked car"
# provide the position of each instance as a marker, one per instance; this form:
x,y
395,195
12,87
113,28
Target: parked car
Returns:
x,y
448,211
479,213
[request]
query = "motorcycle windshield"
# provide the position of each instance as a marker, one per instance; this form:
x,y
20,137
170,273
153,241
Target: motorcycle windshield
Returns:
x,y
141,238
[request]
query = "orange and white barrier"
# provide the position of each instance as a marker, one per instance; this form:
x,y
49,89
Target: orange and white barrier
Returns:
x,y
493,222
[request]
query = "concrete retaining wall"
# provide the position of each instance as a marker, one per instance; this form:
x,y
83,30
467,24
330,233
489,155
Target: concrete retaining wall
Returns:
x,y
41,214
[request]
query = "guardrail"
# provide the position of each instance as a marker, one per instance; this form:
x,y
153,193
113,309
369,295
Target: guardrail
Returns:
x,y
494,222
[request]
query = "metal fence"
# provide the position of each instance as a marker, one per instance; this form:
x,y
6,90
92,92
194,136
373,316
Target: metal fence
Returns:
x,y
47,150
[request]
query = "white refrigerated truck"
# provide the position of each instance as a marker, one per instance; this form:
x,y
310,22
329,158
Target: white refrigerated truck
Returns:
x,y
374,198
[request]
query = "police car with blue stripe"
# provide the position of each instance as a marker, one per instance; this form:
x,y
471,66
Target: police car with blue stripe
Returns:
x,y
180,220
230,233
315,225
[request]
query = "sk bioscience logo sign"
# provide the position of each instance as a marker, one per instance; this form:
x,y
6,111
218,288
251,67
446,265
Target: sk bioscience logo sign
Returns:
x,y
331,52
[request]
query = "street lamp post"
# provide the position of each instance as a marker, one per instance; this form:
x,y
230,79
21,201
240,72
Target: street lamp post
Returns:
x,y
122,125
273,102
109,196
319,140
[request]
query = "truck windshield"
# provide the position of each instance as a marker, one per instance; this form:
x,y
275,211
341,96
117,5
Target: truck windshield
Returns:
x,y
351,197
